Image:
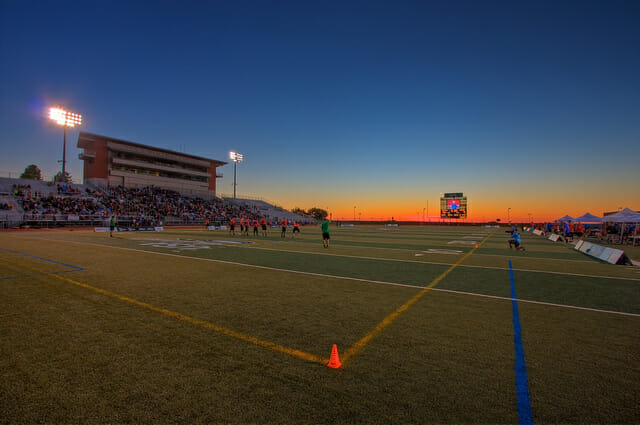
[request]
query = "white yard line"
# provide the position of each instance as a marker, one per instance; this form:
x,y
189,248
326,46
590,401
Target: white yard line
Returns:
x,y
389,259
342,277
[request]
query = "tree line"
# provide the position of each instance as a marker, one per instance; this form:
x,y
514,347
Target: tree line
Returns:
x,y
33,172
314,212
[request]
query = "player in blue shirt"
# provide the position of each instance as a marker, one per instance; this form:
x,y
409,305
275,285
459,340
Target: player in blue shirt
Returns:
x,y
515,241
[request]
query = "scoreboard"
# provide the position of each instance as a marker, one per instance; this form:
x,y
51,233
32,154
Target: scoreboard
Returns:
x,y
453,205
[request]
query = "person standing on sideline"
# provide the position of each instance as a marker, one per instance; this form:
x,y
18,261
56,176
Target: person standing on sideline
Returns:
x,y
255,227
325,232
283,223
263,223
112,225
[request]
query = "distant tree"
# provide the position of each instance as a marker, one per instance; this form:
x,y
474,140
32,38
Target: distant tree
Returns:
x,y
318,213
298,211
59,178
32,172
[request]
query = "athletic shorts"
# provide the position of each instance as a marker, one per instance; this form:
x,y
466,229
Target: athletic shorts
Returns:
x,y
325,236
232,226
264,227
296,229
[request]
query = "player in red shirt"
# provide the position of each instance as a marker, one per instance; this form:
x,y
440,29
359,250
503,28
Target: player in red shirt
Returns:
x,y
283,223
263,223
296,229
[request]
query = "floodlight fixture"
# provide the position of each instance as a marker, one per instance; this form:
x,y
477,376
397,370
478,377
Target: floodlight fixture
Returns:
x,y
65,119
235,157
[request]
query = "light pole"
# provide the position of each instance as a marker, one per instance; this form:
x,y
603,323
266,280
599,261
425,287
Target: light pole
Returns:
x,y
354,213
65,119
235,157
509,215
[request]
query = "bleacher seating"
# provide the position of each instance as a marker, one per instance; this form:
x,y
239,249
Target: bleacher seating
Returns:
x,y
42,204
274,213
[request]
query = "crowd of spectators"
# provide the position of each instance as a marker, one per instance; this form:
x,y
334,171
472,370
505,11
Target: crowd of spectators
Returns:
x,y
51,204
606,232
142,206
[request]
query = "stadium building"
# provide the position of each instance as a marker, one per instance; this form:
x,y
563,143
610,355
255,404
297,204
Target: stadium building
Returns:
x,y
114,162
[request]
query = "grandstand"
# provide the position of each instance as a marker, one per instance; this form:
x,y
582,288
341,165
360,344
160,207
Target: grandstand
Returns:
x,y
266,209
114,162
39,204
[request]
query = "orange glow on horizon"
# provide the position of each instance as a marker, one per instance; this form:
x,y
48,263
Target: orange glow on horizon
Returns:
x,y
516,214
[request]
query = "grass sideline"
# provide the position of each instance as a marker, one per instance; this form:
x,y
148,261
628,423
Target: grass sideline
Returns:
x,y
194,326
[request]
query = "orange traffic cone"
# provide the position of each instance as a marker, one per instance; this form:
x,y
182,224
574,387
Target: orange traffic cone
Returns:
x,y
334,361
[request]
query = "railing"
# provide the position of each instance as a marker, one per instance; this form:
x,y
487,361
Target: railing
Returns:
x,y
56,221
248,198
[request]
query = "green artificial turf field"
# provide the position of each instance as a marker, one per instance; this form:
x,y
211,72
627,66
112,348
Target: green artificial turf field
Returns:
x,y
198,326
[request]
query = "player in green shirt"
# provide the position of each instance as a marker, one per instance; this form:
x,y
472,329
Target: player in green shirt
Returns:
x,y
325,233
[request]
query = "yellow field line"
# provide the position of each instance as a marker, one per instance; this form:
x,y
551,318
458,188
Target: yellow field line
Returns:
x,y
201,323
360,345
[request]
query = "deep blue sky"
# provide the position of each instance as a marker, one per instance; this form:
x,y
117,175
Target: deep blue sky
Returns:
x,y
531,106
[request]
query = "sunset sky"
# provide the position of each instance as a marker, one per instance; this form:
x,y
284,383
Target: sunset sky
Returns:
x,y
529,108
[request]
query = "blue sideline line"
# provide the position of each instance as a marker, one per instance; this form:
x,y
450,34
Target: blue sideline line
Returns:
x,y
43,259
525,417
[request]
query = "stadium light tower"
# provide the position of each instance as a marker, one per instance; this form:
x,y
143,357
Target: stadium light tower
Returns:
x,y
65,119
235,157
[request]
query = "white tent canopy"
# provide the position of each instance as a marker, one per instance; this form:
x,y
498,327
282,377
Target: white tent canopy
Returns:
x,y
565,218
625,216
587,218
